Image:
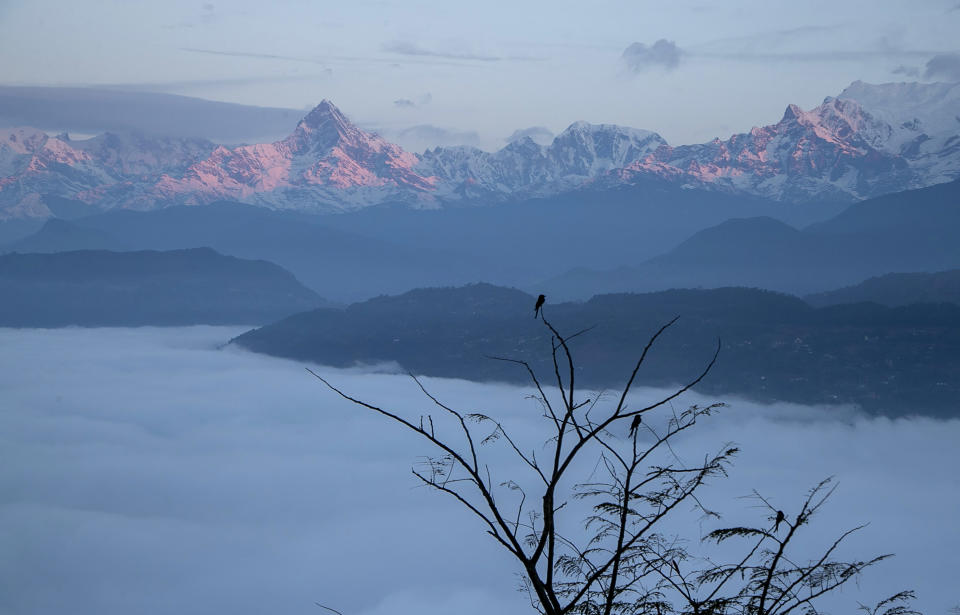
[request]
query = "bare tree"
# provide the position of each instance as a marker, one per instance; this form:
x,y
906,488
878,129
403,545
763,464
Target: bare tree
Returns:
x,y
897,604
614,557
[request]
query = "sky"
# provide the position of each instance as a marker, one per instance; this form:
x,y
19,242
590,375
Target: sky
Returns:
x,y
434,71
151,471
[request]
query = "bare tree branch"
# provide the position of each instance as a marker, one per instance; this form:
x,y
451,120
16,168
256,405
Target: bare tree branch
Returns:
x,y
620,562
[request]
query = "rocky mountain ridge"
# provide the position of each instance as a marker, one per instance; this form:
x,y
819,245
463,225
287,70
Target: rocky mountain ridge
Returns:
x,y
869,140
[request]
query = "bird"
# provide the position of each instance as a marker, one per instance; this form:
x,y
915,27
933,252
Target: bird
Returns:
x,y
536,308
779,520
635,424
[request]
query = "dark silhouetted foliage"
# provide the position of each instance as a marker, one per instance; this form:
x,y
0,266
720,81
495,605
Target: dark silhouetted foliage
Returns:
x,y
584,515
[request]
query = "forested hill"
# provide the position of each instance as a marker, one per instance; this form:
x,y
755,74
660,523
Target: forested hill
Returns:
x,y
902,360
896,289
178,287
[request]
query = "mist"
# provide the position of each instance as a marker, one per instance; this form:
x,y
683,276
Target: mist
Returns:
x,y
153,471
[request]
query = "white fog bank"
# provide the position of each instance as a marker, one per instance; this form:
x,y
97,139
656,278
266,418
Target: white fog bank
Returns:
x,y
149,471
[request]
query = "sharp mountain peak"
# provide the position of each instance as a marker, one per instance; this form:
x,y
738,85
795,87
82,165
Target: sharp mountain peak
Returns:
x,y
869,140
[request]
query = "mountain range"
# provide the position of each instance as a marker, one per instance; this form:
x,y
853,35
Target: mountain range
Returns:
x,y
867,141
644,237
908,231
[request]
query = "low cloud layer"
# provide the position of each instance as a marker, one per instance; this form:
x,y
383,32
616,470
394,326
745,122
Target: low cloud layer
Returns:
x,y
664,54
945,66
148,471
539,134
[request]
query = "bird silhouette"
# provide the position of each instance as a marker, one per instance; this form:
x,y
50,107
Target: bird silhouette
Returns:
x,y
536,308
779,520
635,424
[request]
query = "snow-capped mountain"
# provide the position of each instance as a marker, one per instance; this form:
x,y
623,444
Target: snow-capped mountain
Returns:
x,y
869,140
923,120
524,168
831,152
327,162
33,164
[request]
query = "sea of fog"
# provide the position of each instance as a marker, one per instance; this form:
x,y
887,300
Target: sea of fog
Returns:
x,y
152,471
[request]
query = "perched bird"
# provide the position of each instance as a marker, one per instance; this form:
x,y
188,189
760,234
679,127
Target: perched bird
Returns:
x,y
780,519
536,308
635,424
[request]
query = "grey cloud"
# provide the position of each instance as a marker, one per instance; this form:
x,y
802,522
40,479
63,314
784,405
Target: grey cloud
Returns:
x,y
236,483
804,30
943,66
816,56
207,17
140,108
179,86
767,39
412,49
804,44
539,134
663,53
907,71
247,54
406,103
425,58
324,60
422,136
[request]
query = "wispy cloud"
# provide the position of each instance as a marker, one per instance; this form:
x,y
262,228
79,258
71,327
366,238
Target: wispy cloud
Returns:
x,y
322,60
664,54
773,37
187,84
412,49
406,103
907,71
207,17
816,56
539,134
943,66
248,54
820,43
423,136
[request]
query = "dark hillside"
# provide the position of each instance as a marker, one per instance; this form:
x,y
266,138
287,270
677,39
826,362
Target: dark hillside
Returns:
x,y
912,231
897,289
101,288
774,347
